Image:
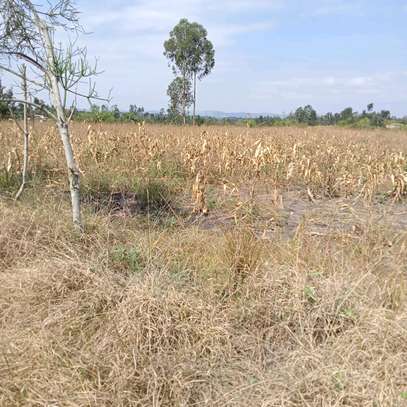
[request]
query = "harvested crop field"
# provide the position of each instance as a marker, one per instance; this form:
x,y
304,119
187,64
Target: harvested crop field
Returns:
x,y
220,266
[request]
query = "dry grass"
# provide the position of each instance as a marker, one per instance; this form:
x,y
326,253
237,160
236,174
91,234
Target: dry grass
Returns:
x,y
290,292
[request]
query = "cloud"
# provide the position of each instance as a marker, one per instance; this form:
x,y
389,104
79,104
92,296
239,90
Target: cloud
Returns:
x,y
158,16
339,84
143,27
323,90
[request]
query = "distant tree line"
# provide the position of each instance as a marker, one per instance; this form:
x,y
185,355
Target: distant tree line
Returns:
x,y
303,116
308,116
9,108
112,114
368,118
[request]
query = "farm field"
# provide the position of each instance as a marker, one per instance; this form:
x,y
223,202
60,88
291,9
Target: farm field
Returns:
x,y
220,266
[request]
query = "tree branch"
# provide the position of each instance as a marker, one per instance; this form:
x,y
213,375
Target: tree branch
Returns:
x,y
27,58
73,109
90,96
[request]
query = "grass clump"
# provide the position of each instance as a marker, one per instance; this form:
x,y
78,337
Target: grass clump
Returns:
x,y
127,258
154,194
9,181
242,255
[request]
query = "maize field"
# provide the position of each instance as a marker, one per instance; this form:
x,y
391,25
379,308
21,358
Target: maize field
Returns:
x,y
220,266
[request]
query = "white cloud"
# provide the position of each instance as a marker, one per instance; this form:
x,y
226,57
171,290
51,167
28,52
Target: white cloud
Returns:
x,y
144,26
339,84
325,90
138,31
159,15
361,81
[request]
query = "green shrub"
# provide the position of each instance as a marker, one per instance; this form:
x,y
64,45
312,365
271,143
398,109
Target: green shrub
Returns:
x,y
363,123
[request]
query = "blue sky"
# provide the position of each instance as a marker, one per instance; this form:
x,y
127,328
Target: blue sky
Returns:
x,y
271,55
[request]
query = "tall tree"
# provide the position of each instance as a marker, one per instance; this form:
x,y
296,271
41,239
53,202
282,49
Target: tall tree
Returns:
x,y
191,54
181,98
27,33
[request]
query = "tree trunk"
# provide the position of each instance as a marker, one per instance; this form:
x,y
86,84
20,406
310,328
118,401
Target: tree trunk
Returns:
x,y
73,170
73,175
193,116
26,133
184,100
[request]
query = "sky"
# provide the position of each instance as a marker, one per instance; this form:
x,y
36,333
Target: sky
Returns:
x,y
271,55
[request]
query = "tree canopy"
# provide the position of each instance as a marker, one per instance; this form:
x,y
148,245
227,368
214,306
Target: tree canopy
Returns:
x,y
189,50
180,94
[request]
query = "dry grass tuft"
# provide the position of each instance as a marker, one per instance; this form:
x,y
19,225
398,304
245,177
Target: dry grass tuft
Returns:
x,y
242,255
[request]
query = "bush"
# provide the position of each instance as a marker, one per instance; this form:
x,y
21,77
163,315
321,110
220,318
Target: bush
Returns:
x,y
362,123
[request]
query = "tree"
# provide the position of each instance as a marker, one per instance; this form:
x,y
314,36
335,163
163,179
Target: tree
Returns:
x,y
6,103
385,114
181,97
347,114
116,112
299,115
370,107
306,115
191,54
328,119
310,115
27,33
